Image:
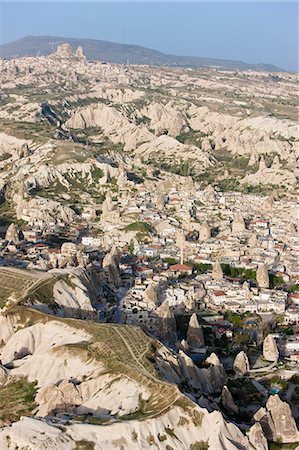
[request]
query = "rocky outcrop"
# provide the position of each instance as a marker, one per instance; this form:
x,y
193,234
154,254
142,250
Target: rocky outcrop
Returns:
x,y
241,363
270,350
166,327
228,402
64,51
217,272
262,276
195,338
12,234
204,231
238,225
111,267
277,422
257,438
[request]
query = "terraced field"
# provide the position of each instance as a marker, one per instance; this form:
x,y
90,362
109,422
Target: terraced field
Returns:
x,y
128,351
16,281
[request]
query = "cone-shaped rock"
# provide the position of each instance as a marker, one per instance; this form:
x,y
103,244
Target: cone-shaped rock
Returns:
x,y
238,225
12,234
195,336
262,276
204,231
150,295
217,272
257,438
270,350
241,363
166,324
228,401
277,421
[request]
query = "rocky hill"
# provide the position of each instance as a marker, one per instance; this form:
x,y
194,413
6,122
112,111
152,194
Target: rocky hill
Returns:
x,y
119,53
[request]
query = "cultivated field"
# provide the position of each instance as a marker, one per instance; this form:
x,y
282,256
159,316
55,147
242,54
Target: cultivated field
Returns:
x,y
17,281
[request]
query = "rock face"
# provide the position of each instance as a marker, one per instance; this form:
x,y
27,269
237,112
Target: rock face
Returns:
x,y
195,338
64,51
111,267
12,234
241,363
79,53
257,438
277,422
150,295
262,277
166,324
217,272
238,225
270,350
204,231
228,401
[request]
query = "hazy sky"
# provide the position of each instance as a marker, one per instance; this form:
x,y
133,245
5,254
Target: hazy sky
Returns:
x,y
249,31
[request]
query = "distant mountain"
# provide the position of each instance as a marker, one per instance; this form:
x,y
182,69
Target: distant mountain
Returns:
x,y
120,53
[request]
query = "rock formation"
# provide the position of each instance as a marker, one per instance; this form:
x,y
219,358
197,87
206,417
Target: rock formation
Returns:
x,y
79,53
238,225
277,421
217,272
111,267
204,231
228,402
262,277
12,234
270,350
257,438
64,51
241,363
195,338
166,324
68,254
150,295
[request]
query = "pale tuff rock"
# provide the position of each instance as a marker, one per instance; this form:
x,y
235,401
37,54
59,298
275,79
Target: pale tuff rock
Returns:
x,y
204,231
217,272
129,435
111,267
195,338
165,117
3,375
54,399
166,324
79,53
171,151
257,438
64,51
262,276
150,295
238,225
270,350
274,175
228,401
114,124
241,363
277,421
12,234
68,254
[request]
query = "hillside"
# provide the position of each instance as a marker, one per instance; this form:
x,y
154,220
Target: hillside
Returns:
x,y
119,53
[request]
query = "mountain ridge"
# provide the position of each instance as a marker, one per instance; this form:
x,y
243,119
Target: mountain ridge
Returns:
x,y
121,53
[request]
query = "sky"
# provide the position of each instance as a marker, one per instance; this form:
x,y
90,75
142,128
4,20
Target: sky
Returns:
x,y
253,32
